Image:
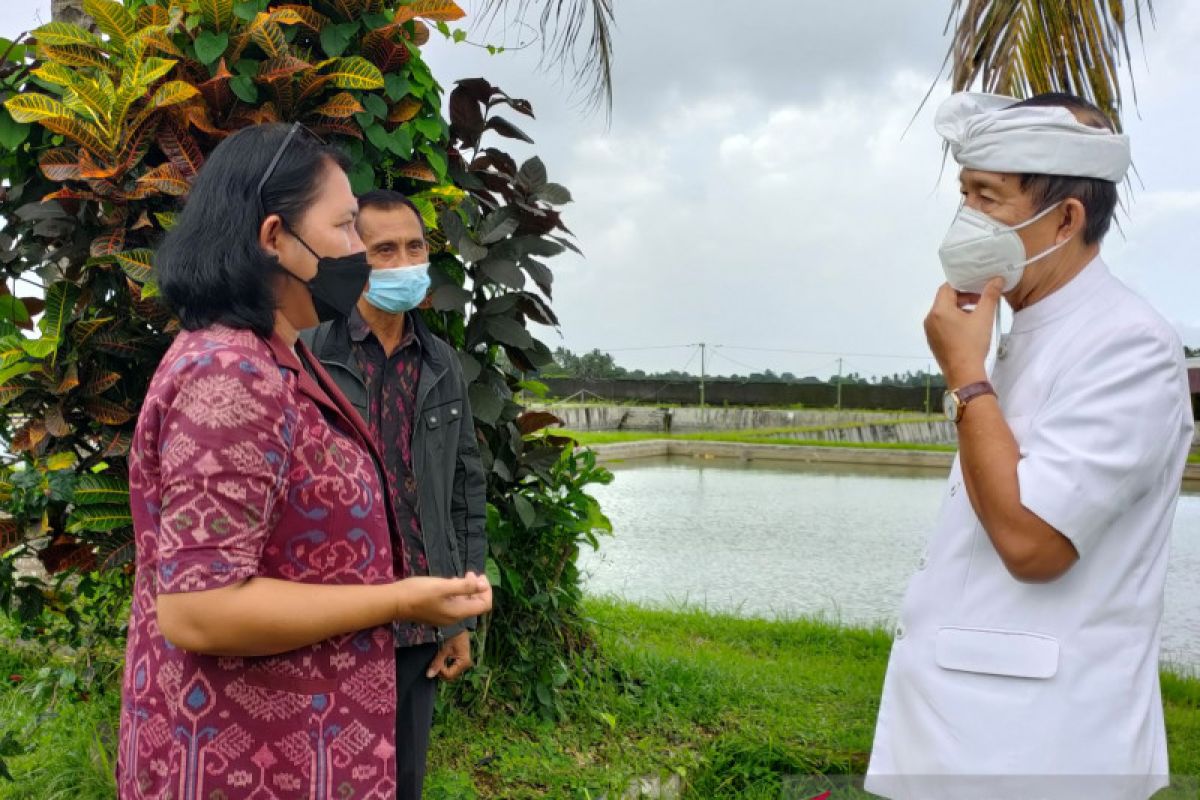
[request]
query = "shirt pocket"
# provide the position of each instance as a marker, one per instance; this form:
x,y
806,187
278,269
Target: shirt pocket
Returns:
x,y
443,417
988,651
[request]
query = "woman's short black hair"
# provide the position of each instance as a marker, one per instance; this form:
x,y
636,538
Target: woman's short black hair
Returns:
x,y
210,266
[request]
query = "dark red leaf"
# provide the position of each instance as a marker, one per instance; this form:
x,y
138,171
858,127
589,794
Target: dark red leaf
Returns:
x,y
534,421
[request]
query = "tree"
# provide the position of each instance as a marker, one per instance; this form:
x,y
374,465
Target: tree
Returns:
x,y
101,134
1026,47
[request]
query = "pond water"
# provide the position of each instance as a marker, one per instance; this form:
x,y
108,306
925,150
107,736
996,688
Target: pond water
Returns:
x,y
790,540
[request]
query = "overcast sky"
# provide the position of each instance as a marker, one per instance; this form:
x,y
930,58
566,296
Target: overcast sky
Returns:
x,y
755,189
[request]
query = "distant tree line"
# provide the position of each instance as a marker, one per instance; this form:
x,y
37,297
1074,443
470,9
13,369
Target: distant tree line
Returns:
x,y
598,365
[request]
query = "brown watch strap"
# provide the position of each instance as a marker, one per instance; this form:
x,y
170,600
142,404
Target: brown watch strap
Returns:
x,y
972,390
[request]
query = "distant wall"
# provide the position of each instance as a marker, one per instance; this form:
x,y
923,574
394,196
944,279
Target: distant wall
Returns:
x,y
739,393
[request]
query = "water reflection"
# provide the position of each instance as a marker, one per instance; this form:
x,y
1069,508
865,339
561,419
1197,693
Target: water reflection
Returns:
x,y
786,539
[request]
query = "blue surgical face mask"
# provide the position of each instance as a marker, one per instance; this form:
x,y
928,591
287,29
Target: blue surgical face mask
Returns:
x,y
399,289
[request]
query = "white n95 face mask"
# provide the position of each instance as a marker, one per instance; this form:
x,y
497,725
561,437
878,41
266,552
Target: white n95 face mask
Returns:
x,y
977,249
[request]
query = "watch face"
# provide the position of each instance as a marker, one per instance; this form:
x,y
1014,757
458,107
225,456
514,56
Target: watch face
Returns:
x,y
950,406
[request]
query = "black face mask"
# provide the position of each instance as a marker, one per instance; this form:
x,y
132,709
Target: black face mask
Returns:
x,y
338,284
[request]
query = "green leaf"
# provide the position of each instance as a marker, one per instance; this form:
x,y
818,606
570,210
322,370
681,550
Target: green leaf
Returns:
x,y
248,9
12,133
210,46
395,86
553,193
373,22
60,303
99,518
507,330
524,511
429,127
486,405
459,35
335,38
532,174
400,142
40,348
376,105
138,264
101,490
377,136
443,28
492,570
501,223
437,160
243,86
362,177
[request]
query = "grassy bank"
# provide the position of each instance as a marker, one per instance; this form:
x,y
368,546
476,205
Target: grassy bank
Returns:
x,y
733,707
753,436
760,436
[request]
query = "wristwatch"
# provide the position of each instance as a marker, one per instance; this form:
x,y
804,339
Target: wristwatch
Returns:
x,y
954,402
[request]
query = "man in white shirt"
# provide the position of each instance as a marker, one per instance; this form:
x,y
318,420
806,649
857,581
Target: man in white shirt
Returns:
x,y
1025,664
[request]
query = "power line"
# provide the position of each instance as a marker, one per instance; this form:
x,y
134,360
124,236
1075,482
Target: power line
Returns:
x,y
825,353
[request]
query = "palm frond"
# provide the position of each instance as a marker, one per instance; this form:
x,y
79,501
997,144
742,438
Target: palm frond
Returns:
x,y
576,37
1027,47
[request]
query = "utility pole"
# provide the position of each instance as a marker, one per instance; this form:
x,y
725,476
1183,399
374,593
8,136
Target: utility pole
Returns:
x,y
839,386
928,380
702,375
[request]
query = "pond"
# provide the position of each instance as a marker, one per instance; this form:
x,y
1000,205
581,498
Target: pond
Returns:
x,y
791,539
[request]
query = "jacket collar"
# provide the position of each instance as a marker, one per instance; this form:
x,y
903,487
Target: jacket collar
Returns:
x,y
316,384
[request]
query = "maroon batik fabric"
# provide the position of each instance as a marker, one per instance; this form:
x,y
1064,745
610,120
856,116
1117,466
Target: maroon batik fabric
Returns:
x,y
392,383
244,465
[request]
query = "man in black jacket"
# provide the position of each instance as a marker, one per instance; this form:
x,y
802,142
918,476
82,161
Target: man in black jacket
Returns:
x,y
408,386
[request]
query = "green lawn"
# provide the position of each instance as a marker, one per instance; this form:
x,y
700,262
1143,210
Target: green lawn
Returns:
x,y
751,436
759,436
736,708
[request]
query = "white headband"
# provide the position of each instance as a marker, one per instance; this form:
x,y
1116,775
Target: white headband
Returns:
x,y
985,133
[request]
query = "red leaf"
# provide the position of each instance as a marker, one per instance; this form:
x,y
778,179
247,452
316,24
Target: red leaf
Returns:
x,y
534,421
10,534
60,164
67,552
181,149
108,243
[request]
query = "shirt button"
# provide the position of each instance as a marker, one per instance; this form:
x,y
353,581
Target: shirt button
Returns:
x,y
433,420
923,563
953,489
899,631
454,412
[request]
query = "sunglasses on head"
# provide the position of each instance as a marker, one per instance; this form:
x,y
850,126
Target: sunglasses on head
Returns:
x,y
297,127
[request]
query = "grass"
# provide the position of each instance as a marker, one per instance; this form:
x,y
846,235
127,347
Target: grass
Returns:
x,y
751,436
735,708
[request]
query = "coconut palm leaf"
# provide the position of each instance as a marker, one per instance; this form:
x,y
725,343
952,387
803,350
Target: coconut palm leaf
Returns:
x,y
1027,47
576,36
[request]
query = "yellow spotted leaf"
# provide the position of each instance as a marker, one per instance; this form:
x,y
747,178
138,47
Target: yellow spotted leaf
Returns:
x,y
60,164
63,34
164,178
354,72
340,106
403,111
35,107
106,412
72,55
417,171
153,16
217,13
138,264
112,18
313,20
436,10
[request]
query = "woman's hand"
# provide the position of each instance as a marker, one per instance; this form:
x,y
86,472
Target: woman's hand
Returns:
x,y
443,601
